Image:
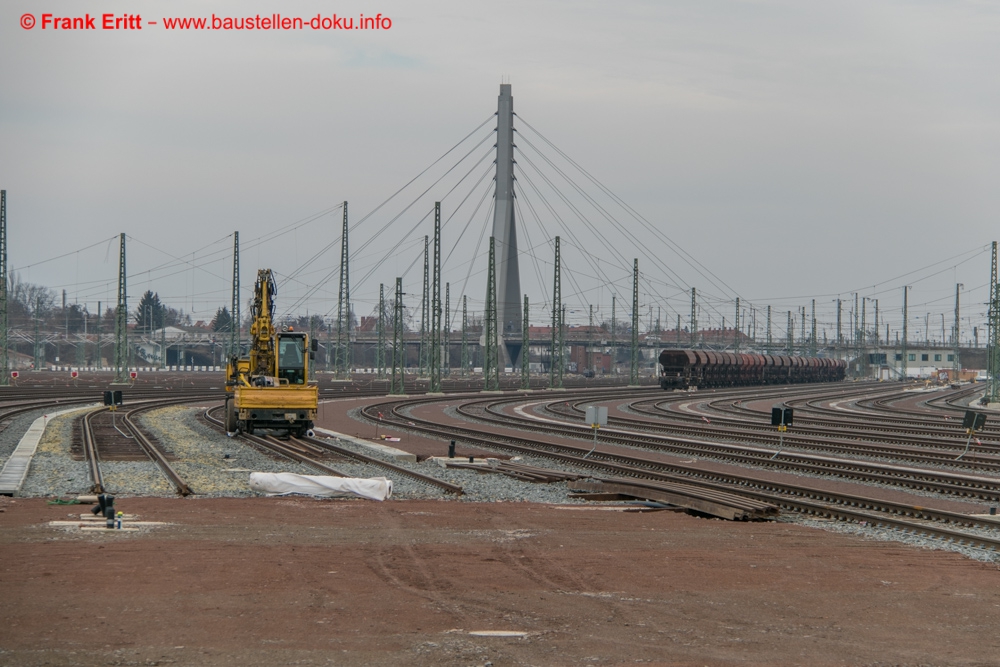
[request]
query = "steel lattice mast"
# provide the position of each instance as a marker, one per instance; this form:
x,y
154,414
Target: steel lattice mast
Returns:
x,y
447,330
694,317
840,332
614,335
736,328
491,365
555,362
234,325
344,306
812,340
992,336
525,377
38,350
858,326
562,344
121,320
425,306
163,340
398,352
380,350
906,319
956,363
769,341
590,340
4,355
634,372
435,364
465,336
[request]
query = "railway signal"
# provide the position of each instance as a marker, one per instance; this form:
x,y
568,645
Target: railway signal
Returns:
x,y
972,422
113,398
597,416
781,416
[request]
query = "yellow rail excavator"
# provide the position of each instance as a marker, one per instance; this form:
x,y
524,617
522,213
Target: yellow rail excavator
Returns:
x,y
270,388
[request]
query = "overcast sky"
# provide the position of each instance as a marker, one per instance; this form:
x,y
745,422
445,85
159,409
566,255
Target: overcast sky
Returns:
x,y
795,149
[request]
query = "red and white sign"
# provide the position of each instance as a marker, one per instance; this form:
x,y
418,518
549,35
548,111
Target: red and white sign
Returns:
x,y
133,375
14,374
74,374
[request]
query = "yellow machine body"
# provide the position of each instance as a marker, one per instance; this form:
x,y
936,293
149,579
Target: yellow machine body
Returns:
x,y
270,387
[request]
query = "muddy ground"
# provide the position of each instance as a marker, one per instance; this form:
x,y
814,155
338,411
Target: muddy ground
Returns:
x,y
283,581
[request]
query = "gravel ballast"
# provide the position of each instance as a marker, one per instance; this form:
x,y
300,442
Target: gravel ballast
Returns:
x,y
201,459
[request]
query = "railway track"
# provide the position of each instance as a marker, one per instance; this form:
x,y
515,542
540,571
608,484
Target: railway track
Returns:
x,y
307,450
910,448
797,497
94,450
940,481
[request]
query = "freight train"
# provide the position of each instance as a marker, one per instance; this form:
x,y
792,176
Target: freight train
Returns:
x,y
682,369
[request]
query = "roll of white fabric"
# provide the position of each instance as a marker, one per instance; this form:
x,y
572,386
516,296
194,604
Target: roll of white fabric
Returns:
x,y
284,483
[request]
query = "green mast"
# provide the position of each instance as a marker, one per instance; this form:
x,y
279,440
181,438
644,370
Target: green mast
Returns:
x,y
491,365
121,320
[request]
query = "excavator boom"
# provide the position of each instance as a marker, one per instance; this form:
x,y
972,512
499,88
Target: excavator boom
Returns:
x,y
270,386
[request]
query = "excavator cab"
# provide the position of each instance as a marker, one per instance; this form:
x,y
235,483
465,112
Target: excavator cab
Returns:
x,y
292,357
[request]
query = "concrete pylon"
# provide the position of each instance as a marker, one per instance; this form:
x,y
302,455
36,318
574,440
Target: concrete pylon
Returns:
x,y
505,232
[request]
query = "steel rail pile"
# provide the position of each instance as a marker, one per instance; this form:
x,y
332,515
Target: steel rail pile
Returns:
x,y
722,504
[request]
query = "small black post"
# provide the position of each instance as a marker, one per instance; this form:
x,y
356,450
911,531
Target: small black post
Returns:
x,y
451,450
106,506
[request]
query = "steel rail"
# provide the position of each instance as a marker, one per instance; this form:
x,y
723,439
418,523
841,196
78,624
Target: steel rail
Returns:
x,y
791,495
916,478
810,439
153,452
276,445
90,454
426,479
91,450
807,426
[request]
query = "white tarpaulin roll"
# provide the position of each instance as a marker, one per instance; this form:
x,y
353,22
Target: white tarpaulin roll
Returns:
x,y
282,483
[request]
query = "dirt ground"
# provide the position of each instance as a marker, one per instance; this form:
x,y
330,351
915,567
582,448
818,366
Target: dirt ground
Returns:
x,y
288,581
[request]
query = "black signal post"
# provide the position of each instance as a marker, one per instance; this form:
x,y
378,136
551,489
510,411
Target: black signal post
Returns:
x,y
781,416
972,422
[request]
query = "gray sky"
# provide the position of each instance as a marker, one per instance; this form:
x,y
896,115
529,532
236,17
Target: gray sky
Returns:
x,y
795,149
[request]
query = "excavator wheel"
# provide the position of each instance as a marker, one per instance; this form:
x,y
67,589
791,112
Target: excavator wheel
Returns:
x,y
230,415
